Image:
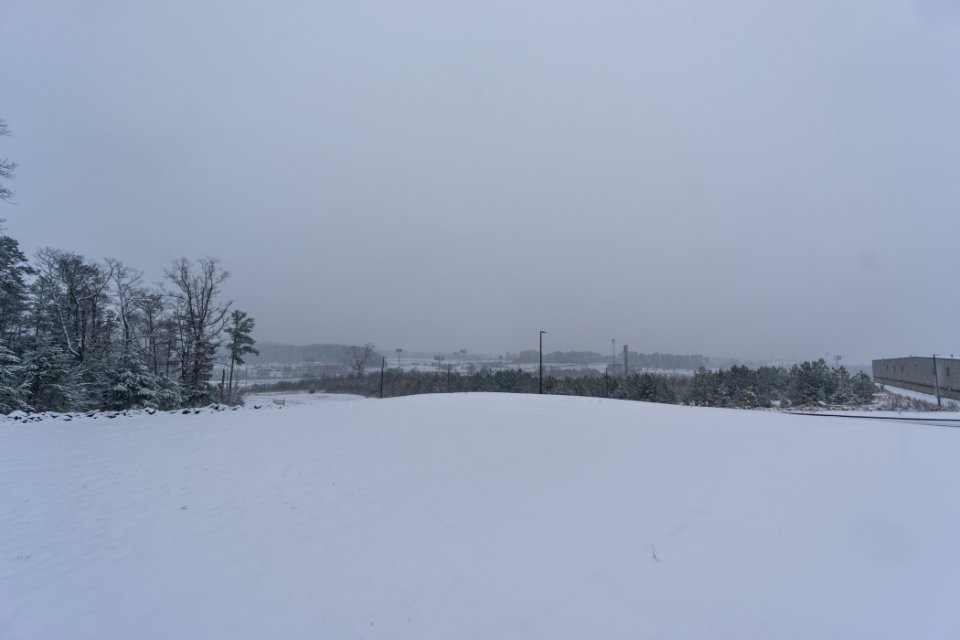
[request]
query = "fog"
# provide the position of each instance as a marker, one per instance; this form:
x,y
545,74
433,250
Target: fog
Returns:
x,y
761,180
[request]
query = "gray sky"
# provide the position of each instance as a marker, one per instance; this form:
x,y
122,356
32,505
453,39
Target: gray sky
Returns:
x,y
759,179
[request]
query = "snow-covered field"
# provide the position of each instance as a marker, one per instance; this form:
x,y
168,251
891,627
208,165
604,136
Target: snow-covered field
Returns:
x,y
478,516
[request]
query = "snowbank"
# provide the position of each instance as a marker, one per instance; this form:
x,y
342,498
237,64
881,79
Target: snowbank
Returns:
x,y
478,516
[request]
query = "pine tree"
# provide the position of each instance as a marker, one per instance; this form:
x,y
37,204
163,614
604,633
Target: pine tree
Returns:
x,y
133,386
864,389
703,388
241,344
843,392
7,167
10,395
49,383
811,383
14,300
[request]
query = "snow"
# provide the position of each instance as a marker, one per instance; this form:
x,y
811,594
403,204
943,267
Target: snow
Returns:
x,y
478,516
917,395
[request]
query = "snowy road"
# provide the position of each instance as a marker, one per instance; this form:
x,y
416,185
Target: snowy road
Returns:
x,y
479,516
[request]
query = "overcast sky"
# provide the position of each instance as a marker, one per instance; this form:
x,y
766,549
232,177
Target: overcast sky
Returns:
x,y
757,179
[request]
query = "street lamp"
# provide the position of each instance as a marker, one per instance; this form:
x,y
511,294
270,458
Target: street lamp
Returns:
x,y
541,360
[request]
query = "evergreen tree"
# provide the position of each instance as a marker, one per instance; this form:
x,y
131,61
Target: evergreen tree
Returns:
x,y
14,300
811,383
49,383
10,394
702,389
134,386
864,389
241,343
7,167
843,387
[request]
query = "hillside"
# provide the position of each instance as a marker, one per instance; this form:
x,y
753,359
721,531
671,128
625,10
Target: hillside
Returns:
x,y
478,516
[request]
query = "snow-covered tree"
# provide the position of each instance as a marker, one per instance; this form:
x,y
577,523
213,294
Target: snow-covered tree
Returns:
x,y
811,383
72,302
133,386
843,387
14,293
864,388
126,297
10,393
49,381
7,167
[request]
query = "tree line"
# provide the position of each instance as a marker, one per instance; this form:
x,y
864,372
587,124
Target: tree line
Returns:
x,y
804,384
279,353
78,334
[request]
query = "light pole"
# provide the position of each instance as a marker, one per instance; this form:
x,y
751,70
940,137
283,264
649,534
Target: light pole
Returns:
x,y
936,379
541,360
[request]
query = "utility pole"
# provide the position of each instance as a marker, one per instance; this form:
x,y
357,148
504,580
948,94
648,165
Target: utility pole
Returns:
x,y
541,360
626,368
936,380
399,351
613,351
383,364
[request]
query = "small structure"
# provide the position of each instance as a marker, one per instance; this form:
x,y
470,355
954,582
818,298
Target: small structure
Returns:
x,y
920,374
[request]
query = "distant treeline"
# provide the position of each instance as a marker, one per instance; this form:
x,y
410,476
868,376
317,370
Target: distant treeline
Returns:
x,y
642,360
274,352
809,383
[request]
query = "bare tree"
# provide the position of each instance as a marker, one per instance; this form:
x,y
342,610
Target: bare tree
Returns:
x,y
157,331
200,319
126,282
358,357
73,296
7,167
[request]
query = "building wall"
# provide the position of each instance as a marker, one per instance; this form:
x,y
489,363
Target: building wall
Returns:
x,y
917,374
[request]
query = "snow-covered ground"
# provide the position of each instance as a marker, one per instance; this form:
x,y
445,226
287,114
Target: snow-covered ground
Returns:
x,y
947,403
478,516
